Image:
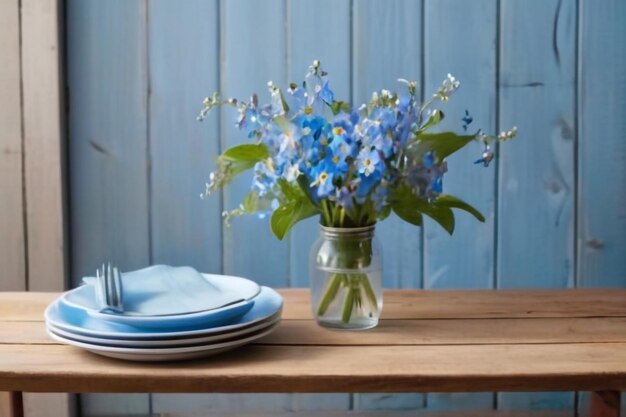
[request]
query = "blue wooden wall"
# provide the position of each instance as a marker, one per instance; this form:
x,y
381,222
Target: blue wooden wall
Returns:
x,y
554,200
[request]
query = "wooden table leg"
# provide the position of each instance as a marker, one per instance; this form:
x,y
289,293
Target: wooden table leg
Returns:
x,y
11,404
605,404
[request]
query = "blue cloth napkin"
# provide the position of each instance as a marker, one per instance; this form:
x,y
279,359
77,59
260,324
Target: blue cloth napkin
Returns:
x,y
164,290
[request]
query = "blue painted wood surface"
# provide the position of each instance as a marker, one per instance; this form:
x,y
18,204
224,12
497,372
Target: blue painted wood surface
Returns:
x,y
536,182
601,180
183,62
138,70
107,70
387,45
465,260
253,52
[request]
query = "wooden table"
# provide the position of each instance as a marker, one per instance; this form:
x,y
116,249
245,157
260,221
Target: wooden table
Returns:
x,y
428,341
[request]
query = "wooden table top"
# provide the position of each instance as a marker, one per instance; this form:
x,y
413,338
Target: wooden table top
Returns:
x,y
441,341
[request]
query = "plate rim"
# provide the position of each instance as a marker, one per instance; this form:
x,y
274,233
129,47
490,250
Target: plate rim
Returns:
x,y
171,342
164,351
172,334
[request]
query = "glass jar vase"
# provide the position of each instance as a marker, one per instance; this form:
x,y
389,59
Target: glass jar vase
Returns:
x,y
345,269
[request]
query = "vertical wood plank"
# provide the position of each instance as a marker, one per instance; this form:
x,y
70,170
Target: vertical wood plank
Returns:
x,y
253,52
333,50
44,145
122,405
601,150
49,404
465,260
536,171
108,88
245,404
44,167
387,45
107,77
380,57
12,244
185,229
183,67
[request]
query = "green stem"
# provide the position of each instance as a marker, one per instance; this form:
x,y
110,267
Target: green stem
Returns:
x,y
326,213
348,304
329,293
369,291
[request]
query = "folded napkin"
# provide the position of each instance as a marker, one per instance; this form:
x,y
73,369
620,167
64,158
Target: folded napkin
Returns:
x,y
162,290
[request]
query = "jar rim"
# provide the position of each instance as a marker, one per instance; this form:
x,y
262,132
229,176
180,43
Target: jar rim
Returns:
x,y
344,231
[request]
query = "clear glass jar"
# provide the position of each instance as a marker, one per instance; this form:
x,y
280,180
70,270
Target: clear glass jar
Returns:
x,y
345,269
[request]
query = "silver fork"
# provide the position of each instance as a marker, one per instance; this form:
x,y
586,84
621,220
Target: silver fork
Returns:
x,y
109,288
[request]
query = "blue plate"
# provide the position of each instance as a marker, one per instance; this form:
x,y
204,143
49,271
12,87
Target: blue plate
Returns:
x,y
58,314
154,298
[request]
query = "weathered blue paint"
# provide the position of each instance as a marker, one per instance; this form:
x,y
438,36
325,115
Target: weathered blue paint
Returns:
x,y
535,217
253,52
387,45
465,260
183,65
329,41
108,152
601,214
137,71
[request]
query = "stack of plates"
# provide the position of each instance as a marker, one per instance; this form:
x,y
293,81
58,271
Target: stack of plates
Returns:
x,y
162,323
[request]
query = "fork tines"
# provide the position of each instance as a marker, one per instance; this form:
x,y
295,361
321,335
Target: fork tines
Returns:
x,y
109,288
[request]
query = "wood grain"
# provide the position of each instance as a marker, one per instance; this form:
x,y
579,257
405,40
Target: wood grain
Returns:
x,y
379,58
185,229
257,368
44,145
304,46
107,64
407,332
602,169
412,304
465,260
461,332
12,244
108,87
252,55
441,304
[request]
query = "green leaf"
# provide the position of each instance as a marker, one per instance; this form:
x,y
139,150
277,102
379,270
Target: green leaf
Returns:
x,y
434,120
441,214
243,157
403,204
295,206
451,201
410,208
408,214
442,144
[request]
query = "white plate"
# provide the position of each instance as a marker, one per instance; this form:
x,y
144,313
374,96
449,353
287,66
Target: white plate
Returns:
x,y
77,321
164,354
172,342
84,298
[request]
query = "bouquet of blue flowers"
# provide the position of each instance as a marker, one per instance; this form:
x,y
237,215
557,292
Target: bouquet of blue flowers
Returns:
x,y
312,154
